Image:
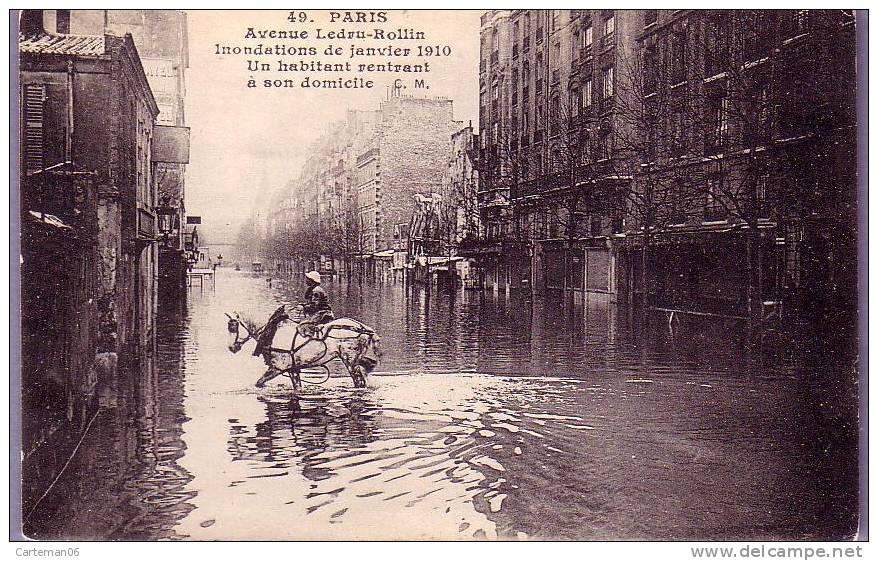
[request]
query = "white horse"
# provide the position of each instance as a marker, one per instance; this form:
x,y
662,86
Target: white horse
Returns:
x,y
345,339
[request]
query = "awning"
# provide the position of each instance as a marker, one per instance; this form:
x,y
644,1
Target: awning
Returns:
x,y
386,254
49,220
422,261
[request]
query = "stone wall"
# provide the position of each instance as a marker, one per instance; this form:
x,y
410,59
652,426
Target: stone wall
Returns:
x,y
415,144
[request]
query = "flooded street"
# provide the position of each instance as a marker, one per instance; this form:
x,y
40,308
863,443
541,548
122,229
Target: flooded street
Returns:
x,y
488,417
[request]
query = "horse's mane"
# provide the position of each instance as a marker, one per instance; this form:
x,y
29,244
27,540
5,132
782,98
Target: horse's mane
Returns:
x,y
249,323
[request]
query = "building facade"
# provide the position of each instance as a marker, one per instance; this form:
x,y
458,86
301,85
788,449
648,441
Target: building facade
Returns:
x,y
550,168
641,153
87,115
349,211
407,156
460,220
750,167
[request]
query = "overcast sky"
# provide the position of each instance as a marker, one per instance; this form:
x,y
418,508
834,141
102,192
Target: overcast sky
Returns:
x,y
248,142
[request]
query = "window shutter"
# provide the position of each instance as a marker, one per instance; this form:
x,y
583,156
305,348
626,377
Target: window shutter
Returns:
x,y
34,149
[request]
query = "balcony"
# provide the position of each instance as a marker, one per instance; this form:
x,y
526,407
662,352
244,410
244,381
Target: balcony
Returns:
x,y
366,156
536,186
586,53
608,42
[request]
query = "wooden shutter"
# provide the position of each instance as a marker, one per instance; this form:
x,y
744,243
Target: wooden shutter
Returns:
x,y
33,130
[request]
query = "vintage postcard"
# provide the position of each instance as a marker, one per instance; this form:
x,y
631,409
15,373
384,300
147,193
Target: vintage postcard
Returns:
x,y
440,275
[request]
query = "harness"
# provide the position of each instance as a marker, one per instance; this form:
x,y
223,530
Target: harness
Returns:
x,y
326,333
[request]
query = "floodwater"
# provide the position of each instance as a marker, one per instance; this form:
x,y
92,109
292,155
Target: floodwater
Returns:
x,y
489,417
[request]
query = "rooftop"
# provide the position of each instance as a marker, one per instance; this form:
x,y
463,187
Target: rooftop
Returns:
x,y
56,44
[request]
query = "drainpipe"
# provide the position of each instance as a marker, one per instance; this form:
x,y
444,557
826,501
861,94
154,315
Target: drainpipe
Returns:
x,y
68,138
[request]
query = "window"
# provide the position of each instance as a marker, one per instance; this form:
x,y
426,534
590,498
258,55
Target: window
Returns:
x,y
34,98
515,87
716,45
713,206
586,94
540,29
678,198
678,57
757,121
609,25
515,29
757,30
588,38
678,131
575,46
604,142
607,82
763,196
555,19
717,121
762,187
575,101
556,116
650,69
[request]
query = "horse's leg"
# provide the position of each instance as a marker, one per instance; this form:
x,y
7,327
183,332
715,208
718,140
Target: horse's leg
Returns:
x,y
296,377
358,373
270,374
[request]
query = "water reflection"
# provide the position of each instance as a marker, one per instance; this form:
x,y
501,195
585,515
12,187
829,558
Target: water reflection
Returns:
x,y
125,482
491,416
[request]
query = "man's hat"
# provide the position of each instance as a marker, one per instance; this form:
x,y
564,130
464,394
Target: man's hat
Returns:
x,y
313,275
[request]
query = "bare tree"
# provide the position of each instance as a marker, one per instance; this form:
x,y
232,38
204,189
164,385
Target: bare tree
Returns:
x,y
579,175
758,122
658,191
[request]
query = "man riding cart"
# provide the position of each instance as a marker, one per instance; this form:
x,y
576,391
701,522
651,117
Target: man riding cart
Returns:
x,y
315,308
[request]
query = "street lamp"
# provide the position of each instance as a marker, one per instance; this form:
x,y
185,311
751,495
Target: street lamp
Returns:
x,y
166,216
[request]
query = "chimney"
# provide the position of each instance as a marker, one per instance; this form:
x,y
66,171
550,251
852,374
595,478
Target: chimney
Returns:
x,y
31,23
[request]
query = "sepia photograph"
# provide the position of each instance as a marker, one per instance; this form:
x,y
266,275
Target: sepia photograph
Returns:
x,y
568,275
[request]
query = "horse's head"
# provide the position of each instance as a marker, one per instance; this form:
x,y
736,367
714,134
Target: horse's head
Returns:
x,y
239,332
